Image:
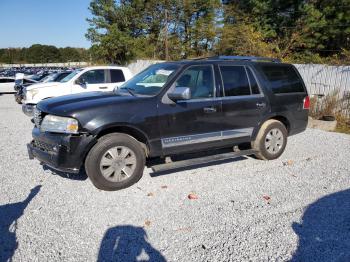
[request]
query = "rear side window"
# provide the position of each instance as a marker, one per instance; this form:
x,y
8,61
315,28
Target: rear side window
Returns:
x,y
235,80
117,76
283,79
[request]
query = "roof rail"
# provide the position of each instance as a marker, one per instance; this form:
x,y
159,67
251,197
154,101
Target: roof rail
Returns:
x,y
245,58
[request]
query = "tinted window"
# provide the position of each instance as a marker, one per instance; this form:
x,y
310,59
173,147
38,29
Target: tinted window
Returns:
x,y
4,80
26,81
235,80
253,83
283,79
199,79
94,76
117,76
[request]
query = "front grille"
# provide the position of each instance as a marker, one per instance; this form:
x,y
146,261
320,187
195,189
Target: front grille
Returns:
x,y
37,117
43,146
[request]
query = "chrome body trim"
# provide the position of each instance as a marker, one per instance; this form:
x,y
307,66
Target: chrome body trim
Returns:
x,y
206,137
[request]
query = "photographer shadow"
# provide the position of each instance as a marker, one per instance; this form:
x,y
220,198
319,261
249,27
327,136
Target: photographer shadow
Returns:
x,y
324,234
9,214
127,244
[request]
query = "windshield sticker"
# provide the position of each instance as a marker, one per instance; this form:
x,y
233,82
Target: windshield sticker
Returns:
x,y
164,72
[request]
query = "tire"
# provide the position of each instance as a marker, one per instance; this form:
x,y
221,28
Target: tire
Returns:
x,y
272,135
108,155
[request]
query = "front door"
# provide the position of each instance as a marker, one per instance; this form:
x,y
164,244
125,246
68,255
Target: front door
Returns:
x,y
94,80
190,125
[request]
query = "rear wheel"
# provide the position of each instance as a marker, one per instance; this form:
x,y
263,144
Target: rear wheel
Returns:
x,y
271,140
117,161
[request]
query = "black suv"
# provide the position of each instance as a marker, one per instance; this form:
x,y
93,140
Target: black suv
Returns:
x,y
170,109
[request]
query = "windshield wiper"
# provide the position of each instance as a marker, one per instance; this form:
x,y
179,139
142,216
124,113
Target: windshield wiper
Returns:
x,y
130,90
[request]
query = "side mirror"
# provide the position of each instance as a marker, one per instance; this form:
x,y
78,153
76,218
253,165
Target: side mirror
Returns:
x,y
180,93
80,82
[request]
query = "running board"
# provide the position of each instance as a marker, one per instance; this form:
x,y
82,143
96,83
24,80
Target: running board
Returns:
x,y
200,160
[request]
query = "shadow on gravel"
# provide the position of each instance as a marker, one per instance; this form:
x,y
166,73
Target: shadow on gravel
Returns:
x,y
9,214
324,234
127,243
81,176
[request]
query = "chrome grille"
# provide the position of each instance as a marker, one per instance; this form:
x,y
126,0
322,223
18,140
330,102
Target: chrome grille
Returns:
x,y
37,117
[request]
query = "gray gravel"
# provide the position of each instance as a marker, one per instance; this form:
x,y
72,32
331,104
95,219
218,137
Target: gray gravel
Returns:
x,y
305,215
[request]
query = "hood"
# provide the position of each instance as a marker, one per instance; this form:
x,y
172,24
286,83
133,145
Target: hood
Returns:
x,y
72,105
43,85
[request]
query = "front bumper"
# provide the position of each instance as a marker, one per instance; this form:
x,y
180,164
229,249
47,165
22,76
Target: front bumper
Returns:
x,y
62,152
28,109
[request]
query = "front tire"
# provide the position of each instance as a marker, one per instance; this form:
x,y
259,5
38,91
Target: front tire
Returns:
x,y
271,140
116,162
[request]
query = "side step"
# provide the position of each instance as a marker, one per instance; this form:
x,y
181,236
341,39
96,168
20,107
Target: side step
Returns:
x,y
200,160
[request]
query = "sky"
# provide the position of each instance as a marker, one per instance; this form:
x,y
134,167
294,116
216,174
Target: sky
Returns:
x,y
52,22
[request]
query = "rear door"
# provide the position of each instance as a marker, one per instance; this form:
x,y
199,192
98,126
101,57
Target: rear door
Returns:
x,y
194,124
115,78
243,103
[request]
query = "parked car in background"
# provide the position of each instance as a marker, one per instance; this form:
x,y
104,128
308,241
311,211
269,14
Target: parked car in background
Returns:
x,y
98,78
7,84
171,109
54,77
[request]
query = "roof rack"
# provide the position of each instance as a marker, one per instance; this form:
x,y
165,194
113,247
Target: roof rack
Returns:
x,y
245,58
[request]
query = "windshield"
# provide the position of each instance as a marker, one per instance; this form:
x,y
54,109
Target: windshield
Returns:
x,y
49,78
71,75
151,80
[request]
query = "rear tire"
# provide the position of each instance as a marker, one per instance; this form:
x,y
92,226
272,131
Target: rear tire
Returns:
x,y
116,162
271,140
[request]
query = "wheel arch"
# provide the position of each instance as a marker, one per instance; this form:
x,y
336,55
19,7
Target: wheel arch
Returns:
x,y
132,131
283,119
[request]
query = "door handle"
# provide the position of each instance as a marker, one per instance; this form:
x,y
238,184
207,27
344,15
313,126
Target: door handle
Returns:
x,y
209,110
261,104
103,87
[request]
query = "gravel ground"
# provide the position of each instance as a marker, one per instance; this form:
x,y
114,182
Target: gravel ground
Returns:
x,y
294,208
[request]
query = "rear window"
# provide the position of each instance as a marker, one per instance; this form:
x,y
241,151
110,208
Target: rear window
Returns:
x,y
283,79
117,76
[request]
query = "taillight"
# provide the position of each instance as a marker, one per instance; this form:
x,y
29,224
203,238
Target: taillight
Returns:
x,y
306,103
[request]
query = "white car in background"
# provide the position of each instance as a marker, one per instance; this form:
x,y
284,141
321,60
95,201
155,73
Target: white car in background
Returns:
x,y
97,78
7,85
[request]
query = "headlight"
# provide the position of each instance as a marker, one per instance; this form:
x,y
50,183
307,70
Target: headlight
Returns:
x,y
59,124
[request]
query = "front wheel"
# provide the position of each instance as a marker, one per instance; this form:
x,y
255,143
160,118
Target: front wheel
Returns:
x,y
117,161
271,140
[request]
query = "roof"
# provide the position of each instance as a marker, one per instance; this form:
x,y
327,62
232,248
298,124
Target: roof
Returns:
x,y
237,59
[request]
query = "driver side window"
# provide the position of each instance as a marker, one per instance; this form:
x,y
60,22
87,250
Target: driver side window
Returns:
x,y
200,80
94,76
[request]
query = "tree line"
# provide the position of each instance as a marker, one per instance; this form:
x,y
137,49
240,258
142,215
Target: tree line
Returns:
x,y
293,30
43,54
